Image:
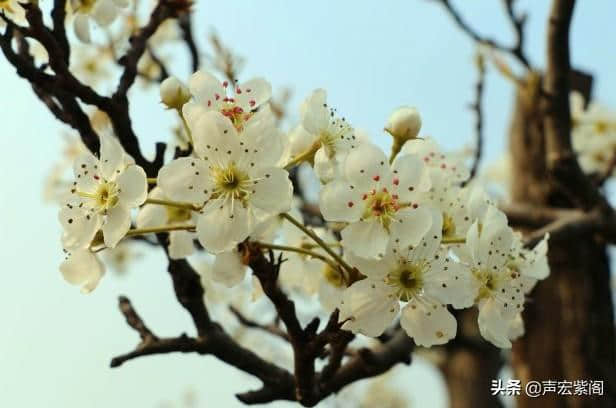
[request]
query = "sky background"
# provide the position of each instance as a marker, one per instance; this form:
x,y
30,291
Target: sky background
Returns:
x,y
56,344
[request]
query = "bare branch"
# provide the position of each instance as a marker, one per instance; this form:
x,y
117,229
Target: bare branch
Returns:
x,y
477,108
268,328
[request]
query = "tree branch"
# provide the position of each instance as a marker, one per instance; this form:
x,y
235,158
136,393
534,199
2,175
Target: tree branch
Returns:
x,y
477,108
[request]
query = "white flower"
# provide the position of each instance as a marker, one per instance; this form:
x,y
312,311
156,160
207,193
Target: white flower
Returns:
x,y
501,286
173,93
103,12
333,136
444,168
423,277
237,106
233,175
81,267
377,201
152,215
404,123
103,194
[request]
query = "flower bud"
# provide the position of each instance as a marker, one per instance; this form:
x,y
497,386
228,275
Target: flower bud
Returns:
x,y
404,124
173,93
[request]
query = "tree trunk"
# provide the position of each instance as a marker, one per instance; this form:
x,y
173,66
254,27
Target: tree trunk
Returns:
x,y
569,317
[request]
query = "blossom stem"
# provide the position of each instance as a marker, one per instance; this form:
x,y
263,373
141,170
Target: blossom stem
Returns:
x,y
154,230
395,149
308,155
152,180
169,203
319,241
186,128
454,240
299,251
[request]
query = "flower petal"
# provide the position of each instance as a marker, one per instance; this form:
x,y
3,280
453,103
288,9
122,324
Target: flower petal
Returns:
x,y
228,268
112,156
253,93
216,140
86,170
451,283
368,307
116,225
340,201
274,192
206,89
412,224
315,114
79,226
492,326
186,179
82,27
428,324
181,244
367,239
104,12
82,267
261,139
410,177
133,186
367,167
221,227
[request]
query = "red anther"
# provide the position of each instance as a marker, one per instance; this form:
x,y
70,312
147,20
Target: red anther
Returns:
x,y
209,103
364,196
217,96
225,84
238,90
443,166
237,109
248,90
384,189
252,102
426,159
96,177
396,181
415,206
394,196
350,204
376,178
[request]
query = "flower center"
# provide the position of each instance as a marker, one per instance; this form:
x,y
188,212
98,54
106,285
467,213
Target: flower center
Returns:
x,y
601,126
382,205
407,280
235,113
333,276
488,283
337,130
85,6
231,182
449,226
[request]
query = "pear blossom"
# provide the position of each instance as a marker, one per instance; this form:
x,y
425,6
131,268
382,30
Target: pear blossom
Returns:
x,y
377,201
444,168
421,276
82,267
501,287
233,176
102,196
181,242
321,128
237,105
103,12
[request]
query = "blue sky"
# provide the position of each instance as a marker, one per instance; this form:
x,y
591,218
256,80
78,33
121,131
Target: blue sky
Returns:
x,y
370,56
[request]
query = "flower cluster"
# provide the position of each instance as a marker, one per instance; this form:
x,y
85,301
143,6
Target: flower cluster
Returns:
x,y
400,237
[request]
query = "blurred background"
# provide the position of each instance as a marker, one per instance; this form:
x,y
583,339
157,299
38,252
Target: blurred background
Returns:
x,y
56,344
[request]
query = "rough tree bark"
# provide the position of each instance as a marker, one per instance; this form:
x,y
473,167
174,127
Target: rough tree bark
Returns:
x,y
569,318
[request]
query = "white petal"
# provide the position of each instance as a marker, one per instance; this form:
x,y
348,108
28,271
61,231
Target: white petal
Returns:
x,y
315,115
537,267
112,156
151,215
82,27
262,141
82,268
253,93
372,268
300,140
104,12
116,225
410,177
516,328
181,244
79,226
452,283
220,227
133,186
274,192
186,179
340,201
368,307
206,89
412,224
326,169
329,296
367,239
216,140
86,170
121,3
492,326
428,325
228,268
367,167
